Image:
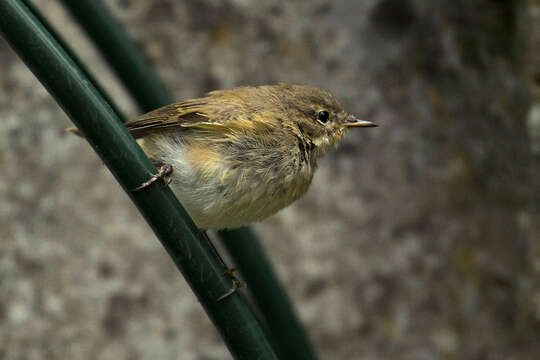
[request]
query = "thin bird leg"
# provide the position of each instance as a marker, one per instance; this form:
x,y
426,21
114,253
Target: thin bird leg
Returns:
x,y
164,173
236,284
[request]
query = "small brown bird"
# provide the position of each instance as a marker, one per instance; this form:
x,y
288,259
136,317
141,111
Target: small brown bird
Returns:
x,y
241,155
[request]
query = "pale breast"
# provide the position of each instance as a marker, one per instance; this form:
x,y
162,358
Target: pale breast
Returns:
x,y
228,187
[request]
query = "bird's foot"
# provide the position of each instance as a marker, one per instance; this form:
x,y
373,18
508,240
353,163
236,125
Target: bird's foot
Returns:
x,y
236,284
164,173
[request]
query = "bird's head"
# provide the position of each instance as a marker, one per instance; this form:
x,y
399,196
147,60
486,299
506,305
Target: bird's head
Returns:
x,y
319,117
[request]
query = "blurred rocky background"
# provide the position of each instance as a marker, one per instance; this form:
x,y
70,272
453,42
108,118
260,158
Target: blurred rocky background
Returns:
x,y
418,240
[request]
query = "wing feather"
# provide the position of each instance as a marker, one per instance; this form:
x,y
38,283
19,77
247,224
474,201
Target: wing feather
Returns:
x,y
237,108
168,117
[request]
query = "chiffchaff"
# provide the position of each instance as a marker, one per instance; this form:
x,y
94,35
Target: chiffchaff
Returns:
x,y
241,155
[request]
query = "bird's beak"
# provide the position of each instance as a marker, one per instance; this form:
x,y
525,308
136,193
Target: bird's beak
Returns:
x,y
354,122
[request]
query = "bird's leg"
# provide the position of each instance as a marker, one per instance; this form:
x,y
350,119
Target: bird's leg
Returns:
x,y
236,284
164,173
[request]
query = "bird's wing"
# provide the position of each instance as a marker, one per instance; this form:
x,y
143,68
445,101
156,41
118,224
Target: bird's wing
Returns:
x,y
182,114
217,111
238,109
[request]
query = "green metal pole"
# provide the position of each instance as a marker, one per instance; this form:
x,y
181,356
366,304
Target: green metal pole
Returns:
x,y
132,67
287,334
120,52
177,232
73,57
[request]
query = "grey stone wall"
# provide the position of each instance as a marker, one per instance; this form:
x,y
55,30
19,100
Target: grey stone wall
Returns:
x,y
418,239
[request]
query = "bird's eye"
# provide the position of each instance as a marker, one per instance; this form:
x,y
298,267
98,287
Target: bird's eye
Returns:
x,y
323,116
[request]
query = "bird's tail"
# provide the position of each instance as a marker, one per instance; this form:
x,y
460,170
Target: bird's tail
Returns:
x,y
74,130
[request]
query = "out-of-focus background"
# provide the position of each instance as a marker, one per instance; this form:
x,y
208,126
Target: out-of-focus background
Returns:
x,y
418,240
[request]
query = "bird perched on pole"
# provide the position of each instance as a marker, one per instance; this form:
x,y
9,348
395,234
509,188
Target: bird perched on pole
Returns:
x,y
238,156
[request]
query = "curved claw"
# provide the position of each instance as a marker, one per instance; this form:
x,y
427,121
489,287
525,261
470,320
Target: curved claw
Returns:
x,y
164,173
236,284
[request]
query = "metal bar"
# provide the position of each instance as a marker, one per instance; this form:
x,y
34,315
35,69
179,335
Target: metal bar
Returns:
x,y
286,332
274,305
121,53
176,231
73,57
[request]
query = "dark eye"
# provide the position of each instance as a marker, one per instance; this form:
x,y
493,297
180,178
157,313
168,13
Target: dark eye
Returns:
x,y
323,116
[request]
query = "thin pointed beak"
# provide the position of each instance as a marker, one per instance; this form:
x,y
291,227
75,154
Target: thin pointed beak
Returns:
x,y
353,122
